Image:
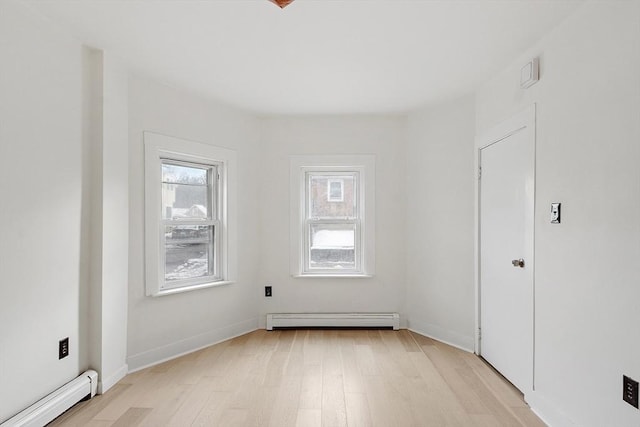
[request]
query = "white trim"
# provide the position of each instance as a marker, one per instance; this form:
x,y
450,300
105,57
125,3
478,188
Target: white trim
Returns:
x,y
549,413
523,121
172,291
106,383
176,349
454,339
159,146
364,164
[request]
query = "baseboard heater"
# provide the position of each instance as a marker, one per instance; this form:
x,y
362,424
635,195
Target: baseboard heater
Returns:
x,y
51,406
334,320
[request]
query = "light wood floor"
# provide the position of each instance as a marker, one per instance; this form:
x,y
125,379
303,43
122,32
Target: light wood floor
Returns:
x,y
312,378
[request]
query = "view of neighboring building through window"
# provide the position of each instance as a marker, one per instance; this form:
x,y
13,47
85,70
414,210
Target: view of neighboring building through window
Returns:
x,y
332,225
190,210
335,190
190,222
332,211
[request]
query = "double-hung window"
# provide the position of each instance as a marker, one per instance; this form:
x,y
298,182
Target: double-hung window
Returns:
x,y
332,222
332,204
188,225
190,228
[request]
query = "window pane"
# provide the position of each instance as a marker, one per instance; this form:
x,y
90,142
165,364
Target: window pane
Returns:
x,y
332,196
184,201
332,246
188,252
181,174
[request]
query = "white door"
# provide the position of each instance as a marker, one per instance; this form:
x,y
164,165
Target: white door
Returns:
x,y
506,208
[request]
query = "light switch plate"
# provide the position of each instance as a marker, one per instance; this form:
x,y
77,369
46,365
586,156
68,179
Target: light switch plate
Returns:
x,y
555,213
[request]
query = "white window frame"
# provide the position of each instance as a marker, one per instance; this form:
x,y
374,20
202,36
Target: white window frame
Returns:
x,y
160,148
364,166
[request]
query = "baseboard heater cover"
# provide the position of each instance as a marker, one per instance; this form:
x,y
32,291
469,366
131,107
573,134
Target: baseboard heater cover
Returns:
x,y
310,320
51,406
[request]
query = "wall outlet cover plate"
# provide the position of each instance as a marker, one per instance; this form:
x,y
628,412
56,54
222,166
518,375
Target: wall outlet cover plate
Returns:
x,y
630,391
555,213
63,348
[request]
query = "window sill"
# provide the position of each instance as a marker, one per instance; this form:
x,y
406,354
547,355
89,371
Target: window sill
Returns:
x,y
172,291
332,276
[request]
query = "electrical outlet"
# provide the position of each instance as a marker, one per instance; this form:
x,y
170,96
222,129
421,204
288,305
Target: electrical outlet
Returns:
x,y
267,291
555,213
63,348
630,391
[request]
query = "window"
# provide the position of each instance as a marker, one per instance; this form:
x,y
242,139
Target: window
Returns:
x,y
332,196
188,227
335,190
190,223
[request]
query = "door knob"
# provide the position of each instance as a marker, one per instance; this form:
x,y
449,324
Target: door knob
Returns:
x,y
518,263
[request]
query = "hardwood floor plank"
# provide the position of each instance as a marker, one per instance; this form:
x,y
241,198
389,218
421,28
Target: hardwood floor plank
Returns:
x,y
408,342
98,423
504,390
285,403
118,406
421,339
365,360
309,418
334,411
377,345
351,375
80,414
311,388
260,411
386,407
212,410
194,400
358,413
165,405
234,417
313,378
132,417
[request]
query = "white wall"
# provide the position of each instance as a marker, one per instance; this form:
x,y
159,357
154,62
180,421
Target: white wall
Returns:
x,y
439,216
283,137
588,156
41,201
108,147
163,327
587,272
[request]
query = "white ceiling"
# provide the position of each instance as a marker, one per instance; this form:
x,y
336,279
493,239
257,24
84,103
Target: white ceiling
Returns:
x,y
315,56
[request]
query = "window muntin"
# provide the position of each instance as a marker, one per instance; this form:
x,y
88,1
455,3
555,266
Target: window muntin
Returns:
x,y
190,223
332,241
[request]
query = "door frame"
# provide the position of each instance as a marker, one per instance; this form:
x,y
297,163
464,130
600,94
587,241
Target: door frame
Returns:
x,y
524,121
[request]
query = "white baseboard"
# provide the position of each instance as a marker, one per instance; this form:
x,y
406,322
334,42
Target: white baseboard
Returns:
x,y
161,354
438,333
549,413
106,383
